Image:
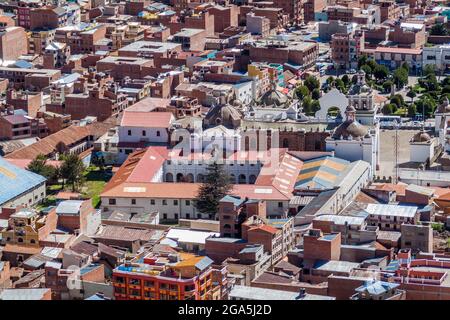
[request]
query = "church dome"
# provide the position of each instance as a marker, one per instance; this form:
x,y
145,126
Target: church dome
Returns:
x,y
421,136
350,128
274,98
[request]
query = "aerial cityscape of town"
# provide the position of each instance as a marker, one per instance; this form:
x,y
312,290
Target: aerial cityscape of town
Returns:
x,y
224,150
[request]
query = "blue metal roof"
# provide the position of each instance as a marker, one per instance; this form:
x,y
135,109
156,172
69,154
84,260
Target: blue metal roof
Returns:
x,y
23,64
376,287
15,181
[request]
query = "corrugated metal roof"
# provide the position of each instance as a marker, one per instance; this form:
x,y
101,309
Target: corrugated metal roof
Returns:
x,y
15,181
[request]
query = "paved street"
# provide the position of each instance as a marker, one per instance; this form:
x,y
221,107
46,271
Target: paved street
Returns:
x,y
387,155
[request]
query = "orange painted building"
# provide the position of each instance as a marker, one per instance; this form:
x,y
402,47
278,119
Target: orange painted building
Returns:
x,y
174,276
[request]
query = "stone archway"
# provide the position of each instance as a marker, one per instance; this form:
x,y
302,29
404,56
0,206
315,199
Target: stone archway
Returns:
x,y
169,177
332,99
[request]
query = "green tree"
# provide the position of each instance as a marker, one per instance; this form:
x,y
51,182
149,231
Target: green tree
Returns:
x,y
315,106
346,80
446,89
312,83
362,61
412,110
400,77
372,64
405,66
429,70
387,85
39,165
381,72
389,108
397,99
368,70
315,94
307,105
411,94
301,92
215,186
71,170
98,161
438,29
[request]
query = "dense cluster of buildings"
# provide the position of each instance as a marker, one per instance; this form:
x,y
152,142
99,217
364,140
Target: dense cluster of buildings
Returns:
x,y
159,92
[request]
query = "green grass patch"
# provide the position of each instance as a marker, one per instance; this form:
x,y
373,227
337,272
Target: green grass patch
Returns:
x,y
94,184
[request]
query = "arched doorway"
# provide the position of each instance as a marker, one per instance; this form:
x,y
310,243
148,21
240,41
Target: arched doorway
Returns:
x,y
180,177
334,113
242,179
252,179
169,177
200,178
189,178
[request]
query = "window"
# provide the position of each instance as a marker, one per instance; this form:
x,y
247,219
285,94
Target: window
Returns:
x,y
188,202
133,201
165,216
152,202
280,204
164,202
176,216
199,216
148,283
129,132
144,133
112,201
188,216
158,134
175,202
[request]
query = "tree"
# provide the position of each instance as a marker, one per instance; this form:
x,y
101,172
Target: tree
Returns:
x,y
389,108
346,79
362,61
339,83
330,80
312,83
397,99
446,89
307,105
39,166
411,94
381,72
405,66
400,77
215,186
71,170
367,70
98,161
387,85
372,64
315,106
412,110
429,70
438,30
315,94
301,92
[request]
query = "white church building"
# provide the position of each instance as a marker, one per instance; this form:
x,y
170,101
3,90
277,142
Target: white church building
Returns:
x,y
353,141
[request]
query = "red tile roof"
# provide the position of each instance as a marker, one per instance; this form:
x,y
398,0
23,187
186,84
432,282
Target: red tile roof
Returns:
x,y
398,50
146,119
265,228
66,136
